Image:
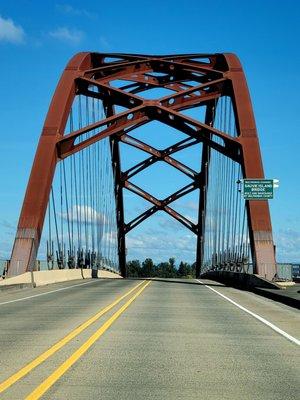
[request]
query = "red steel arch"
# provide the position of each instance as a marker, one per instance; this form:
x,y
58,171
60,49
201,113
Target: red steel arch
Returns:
x,y
215,74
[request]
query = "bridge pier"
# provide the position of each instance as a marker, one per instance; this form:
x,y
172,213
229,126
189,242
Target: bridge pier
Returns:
x,y
24,252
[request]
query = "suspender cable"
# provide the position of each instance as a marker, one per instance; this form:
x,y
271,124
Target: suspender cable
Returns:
x,y
84,224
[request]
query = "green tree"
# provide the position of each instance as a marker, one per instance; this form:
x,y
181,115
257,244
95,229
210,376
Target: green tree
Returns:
x,y
134,269
172,263
172,268
148,269
162,270
166,269
184,270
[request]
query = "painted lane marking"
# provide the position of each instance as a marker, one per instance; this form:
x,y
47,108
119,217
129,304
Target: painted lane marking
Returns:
x,y
66,365
258,317
62,342
51,291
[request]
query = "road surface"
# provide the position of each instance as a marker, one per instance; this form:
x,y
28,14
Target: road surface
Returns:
x,y
133,339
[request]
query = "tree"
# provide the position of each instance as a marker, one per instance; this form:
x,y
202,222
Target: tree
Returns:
x,y
166,269
162,270
134,269
184,269
148,268
172,268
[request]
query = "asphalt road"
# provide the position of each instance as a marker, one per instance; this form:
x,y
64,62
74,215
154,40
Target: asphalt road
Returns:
x,y
172,339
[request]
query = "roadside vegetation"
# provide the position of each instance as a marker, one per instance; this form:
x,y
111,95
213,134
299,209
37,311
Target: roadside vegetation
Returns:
x,y
168,269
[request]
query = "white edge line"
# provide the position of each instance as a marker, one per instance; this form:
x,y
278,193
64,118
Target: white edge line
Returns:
x,y
43,294
261,319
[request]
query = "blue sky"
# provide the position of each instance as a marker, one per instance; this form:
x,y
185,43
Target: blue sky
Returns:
x,y
38,38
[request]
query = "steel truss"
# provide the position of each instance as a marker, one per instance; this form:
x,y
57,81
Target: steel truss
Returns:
x,y
215,75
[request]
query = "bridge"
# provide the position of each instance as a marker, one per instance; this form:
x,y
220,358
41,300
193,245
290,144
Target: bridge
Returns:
x,y
77,176
155,338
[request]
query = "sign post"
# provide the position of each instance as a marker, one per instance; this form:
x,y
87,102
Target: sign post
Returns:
x,y
258,189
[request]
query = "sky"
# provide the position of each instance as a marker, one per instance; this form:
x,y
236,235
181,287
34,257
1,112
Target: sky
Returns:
x,y
38,38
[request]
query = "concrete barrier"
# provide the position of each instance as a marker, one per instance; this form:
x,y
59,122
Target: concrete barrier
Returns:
x,y
40,278
240,279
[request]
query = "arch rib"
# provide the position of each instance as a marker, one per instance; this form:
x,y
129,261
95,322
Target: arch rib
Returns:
x,y
261,237
34,207
221,75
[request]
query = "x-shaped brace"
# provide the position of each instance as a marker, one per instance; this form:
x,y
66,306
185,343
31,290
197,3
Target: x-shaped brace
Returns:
x,y
160,205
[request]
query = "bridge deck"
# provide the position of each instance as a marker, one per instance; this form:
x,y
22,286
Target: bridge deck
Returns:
x,y
176,340
289,296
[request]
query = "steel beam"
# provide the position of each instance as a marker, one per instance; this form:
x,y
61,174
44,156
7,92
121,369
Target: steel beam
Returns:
x,y
218,75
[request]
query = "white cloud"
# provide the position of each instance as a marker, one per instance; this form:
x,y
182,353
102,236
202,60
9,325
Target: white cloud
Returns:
x,y
110,238
10,32
70,36
161,247
287,245
82,213
81,12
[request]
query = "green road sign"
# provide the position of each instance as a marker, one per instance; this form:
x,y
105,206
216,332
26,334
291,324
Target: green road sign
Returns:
x,y
258,189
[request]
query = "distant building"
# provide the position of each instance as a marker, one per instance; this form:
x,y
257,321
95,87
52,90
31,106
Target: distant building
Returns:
x,y
296,271
288,271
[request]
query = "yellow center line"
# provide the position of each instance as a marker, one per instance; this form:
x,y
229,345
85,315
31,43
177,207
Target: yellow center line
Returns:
x,y
63,368
57,346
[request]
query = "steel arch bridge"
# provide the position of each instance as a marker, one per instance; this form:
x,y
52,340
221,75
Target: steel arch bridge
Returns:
x,y
99,100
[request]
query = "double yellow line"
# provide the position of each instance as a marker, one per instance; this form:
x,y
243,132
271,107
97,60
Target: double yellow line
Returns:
x,y
46,384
